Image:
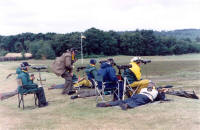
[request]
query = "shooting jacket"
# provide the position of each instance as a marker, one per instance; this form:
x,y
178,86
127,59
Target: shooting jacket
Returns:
x,y
28,84
62,64
91,72
150,94
108,73
133,74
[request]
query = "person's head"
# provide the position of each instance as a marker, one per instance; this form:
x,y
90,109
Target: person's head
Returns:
x,y
93,61
25,66
111,61
151,86
137,60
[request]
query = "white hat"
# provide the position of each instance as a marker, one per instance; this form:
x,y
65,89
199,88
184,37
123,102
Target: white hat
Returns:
x,y
136,59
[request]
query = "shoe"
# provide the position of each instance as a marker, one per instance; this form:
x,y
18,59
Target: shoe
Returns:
x,y
102,105
124,106
43,105
71,92
64,93
74,97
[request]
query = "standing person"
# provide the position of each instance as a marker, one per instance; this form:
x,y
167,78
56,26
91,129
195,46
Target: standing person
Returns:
x,y
24,79
63,66
134,75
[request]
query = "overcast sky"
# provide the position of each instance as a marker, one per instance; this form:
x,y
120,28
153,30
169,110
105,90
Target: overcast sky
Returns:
x,y
64,16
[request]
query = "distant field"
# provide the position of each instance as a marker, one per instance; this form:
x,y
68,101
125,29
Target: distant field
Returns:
x,y
182,71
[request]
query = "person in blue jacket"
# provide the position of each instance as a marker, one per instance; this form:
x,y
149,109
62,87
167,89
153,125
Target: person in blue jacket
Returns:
x,y
109,76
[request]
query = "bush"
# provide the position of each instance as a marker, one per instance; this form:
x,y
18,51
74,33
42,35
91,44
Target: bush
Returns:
x,y
42,49
3,52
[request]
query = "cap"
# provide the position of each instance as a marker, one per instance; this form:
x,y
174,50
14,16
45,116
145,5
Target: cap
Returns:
x,y
93,61
111,61
24,64
136,59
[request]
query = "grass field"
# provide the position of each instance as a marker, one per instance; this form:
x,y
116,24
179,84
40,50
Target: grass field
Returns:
x,y
63,113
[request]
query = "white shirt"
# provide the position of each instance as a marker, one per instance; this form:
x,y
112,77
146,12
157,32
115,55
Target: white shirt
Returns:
x,y
150,94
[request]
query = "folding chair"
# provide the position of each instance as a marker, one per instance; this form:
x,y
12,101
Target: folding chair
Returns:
x,y
127,88
102,90
21,95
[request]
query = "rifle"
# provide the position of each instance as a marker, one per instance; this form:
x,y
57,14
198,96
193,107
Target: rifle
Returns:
x,y
168,86
119,67
181,93
80,68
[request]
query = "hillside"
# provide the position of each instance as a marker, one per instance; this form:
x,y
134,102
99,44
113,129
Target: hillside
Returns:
x,y
192,34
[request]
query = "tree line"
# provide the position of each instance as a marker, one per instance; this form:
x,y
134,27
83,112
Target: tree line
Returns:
x,y
98,43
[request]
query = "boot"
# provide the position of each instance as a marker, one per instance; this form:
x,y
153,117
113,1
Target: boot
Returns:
x,y
74,97
124,106
102,105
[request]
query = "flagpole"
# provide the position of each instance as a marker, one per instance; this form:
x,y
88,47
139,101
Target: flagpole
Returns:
x,y
81,50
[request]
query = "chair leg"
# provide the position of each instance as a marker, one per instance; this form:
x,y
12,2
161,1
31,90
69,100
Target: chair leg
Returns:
x,y
19,100
22,99
35,98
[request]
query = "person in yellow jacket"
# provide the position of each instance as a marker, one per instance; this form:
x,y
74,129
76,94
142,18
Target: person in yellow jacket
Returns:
x,y
134,75
91,72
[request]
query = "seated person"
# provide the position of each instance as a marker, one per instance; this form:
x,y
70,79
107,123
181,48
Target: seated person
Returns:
x,y
108,74
24,79
91,72
133,75
145,96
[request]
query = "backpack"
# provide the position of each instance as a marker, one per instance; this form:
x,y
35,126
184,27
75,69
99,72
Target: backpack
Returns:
x,y
62,64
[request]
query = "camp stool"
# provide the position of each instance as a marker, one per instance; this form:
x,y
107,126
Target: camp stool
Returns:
x,y
102,90
127,88
21,97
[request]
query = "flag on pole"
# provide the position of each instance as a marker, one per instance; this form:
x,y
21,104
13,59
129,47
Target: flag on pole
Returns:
x,y
83,37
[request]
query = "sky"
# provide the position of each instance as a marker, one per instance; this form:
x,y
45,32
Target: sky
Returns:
x,y
65,16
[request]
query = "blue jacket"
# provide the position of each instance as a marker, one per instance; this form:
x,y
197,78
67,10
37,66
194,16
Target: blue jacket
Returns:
x,y
108,73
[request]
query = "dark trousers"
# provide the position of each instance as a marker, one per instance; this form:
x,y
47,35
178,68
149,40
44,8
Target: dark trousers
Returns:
x,y
134,101
41,96
39,92
68,82
86,93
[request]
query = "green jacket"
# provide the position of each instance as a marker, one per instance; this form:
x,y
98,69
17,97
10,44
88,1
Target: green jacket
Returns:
x,y
74,78
28,85
92,73
129,75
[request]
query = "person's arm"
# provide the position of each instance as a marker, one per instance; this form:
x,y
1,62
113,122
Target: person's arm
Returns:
x,y
112,75
161,94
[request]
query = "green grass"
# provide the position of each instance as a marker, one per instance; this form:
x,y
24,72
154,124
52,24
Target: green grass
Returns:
x,y
63,113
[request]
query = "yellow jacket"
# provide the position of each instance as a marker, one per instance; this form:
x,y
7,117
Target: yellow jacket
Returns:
x,y
136,70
